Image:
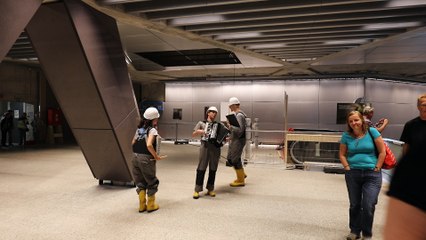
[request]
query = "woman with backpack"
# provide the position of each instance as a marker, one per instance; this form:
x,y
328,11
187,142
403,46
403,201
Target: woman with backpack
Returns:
x,y
144,162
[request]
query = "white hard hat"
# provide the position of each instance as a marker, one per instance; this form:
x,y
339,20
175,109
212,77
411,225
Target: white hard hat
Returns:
x,y
212,109
233,100
151,113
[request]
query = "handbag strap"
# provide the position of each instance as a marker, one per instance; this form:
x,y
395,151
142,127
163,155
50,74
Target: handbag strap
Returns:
x,y
374,143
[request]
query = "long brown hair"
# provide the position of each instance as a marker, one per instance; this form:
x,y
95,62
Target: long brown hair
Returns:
x,y
364,124
145,123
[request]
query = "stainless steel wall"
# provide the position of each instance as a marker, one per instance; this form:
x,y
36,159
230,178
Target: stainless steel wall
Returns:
x,y
312,103
395,101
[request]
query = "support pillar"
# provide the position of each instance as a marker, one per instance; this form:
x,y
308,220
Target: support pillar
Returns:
x,y
82,57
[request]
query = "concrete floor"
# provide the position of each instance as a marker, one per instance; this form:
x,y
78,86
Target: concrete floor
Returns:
x,y
51,194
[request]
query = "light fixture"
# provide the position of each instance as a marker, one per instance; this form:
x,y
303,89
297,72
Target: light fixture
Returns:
x,y
266,45
199,19
298,59
353,41
391,25
405,3
238,35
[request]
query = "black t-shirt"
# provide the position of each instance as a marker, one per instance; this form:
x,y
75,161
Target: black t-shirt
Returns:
x,y
414,133
409,179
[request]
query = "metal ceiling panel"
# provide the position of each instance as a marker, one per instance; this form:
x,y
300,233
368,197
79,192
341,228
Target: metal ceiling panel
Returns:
x,y
294,37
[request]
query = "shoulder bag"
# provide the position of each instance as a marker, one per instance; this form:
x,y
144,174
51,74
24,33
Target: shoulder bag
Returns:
x,y
390,161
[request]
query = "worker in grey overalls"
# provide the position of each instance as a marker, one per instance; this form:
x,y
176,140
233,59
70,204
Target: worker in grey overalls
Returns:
x,y
209,154
145,157
237,142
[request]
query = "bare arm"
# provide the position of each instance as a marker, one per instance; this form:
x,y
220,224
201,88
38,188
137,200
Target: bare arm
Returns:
x,y
197,132
150,146
343,149
405,148
134,139
383,123
382,151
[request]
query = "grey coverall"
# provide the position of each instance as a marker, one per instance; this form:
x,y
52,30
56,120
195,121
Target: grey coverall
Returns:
x,y
209,155
238,141
144,169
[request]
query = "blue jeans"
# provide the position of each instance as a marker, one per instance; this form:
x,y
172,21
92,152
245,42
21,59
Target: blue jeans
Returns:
x,y
363,189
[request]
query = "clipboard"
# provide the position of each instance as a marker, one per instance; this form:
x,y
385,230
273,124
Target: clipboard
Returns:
x,y
232,119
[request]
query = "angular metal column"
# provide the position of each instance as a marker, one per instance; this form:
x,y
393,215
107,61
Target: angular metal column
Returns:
x,y
82,57
14,16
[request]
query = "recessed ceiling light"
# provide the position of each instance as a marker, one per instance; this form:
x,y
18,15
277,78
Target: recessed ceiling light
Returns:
x,y
266,45
354,41
391,25
404,3
298,59
237,35
199,19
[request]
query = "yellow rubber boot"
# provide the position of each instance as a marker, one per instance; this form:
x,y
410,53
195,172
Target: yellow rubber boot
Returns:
x,y
196,195
152,206
142,201
239,182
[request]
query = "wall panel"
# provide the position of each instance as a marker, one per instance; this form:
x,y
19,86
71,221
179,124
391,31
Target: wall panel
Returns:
x,y
312,103
306,90
389,91
395,101
211,91
242,90
303,112
269,114
327,113
268,91
346,90
179,92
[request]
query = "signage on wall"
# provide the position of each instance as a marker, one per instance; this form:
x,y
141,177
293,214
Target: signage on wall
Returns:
x,y
342,111
177,113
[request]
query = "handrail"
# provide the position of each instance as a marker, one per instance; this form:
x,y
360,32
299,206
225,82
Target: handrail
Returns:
x,y
396,142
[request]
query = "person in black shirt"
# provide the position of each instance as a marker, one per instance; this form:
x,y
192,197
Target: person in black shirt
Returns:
x,y
6,128
406,217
